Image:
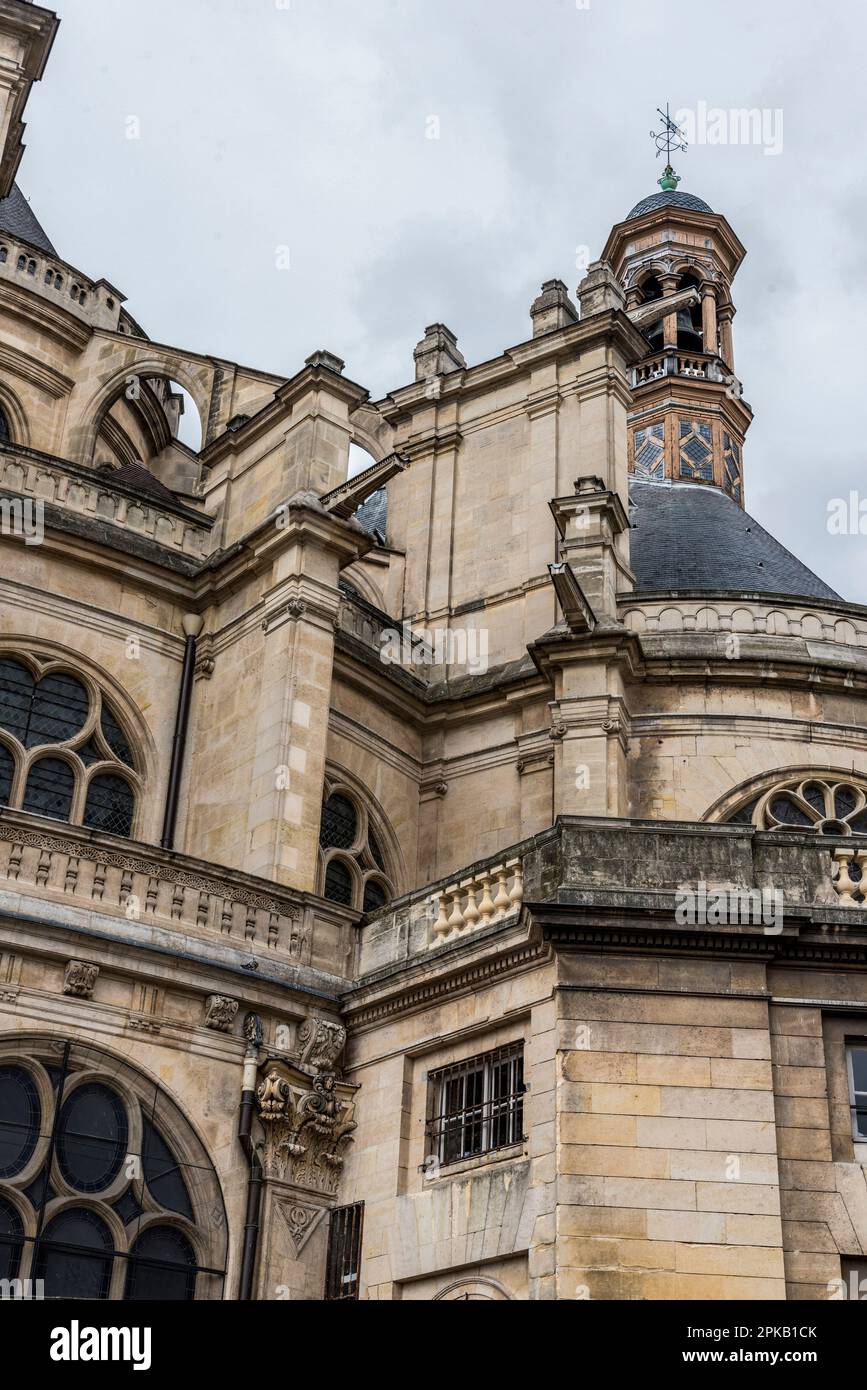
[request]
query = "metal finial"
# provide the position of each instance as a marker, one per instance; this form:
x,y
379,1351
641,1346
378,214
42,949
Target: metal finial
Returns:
x,y
671,137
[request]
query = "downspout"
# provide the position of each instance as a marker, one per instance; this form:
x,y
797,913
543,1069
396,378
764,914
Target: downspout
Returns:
x,y
253,1031
192,625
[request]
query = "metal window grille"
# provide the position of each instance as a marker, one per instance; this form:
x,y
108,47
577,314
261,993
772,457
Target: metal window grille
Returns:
x,y
477,1106
343,1272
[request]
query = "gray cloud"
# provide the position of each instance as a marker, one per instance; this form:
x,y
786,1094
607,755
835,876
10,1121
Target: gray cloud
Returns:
x,y
265,126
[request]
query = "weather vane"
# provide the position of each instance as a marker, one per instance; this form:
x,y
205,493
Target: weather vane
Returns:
x,y
671,137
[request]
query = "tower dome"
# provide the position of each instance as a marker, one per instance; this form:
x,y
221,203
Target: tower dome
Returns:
x,y
669,197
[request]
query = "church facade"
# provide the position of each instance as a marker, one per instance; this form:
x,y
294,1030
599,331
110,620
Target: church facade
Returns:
x,y
440,883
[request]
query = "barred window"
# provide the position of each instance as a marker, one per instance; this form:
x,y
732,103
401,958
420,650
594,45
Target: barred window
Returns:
x,y
63,751
343,1265
477,1106
354,869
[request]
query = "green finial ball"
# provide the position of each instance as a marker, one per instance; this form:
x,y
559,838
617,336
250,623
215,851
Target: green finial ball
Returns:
x,y
669,180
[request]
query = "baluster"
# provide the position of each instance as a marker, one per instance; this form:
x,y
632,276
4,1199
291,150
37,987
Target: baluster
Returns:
x,y
151,896
43,868
202,910
516,897
471,911
125,887
442,926
98,882
15,861
250,924
456,920
274,929
178,902
226,917
71,874
502,902
486,906
843,884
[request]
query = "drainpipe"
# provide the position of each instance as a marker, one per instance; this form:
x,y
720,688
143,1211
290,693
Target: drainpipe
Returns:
x,y
192,625
254,1183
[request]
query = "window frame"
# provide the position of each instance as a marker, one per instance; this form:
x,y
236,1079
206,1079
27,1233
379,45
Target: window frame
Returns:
x,y
358,858
854,1108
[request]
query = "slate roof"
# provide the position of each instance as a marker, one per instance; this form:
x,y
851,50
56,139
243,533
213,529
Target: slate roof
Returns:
x,y
18,219
668,198
686,536
373,514
140,479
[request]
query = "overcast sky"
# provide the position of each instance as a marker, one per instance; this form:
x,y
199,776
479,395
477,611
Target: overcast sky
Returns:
x,y
305,124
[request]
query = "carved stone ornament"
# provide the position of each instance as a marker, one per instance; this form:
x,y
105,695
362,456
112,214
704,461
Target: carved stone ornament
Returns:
x,y
80,979
557,730
220,1012
305,1129
301,1220
321,1043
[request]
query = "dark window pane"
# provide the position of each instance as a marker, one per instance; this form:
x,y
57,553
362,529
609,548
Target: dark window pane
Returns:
x,y
374,896
19,1120
92,1141
162,1173
375,851
49,789
859,1068
845,801
40,1192
787,813
814,793
60,708
16,694
745,815
90,754
162,1268
75,1256
127,1207
110,804
338,883
11,1232
7,772
115,736
5,432
339,827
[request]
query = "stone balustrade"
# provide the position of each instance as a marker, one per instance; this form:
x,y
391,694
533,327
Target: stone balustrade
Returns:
x,y
492,895
93,494
848,876
96,302
673,363
822,622
143,884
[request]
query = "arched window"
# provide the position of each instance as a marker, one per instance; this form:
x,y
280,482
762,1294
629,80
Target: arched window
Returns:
x,y
75,1256
823,805
105,1192
5,432
690,331
44,709
354,870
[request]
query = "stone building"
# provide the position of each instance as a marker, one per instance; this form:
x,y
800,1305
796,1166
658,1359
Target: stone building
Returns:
x,y
439,883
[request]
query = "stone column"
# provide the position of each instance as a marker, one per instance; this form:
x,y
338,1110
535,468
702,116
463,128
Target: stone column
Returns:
x,y
709,319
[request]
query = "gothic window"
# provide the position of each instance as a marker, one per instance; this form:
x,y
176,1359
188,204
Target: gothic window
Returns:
x,y
820,805
354,872
105,1193
5,432
476,1106
649,452
696,450
63,751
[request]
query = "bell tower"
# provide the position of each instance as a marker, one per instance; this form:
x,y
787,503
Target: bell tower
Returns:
x,y
676,260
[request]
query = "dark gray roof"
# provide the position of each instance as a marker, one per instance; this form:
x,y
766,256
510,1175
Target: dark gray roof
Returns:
x,y
669,198
373,514
141,479
686,536
18,219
